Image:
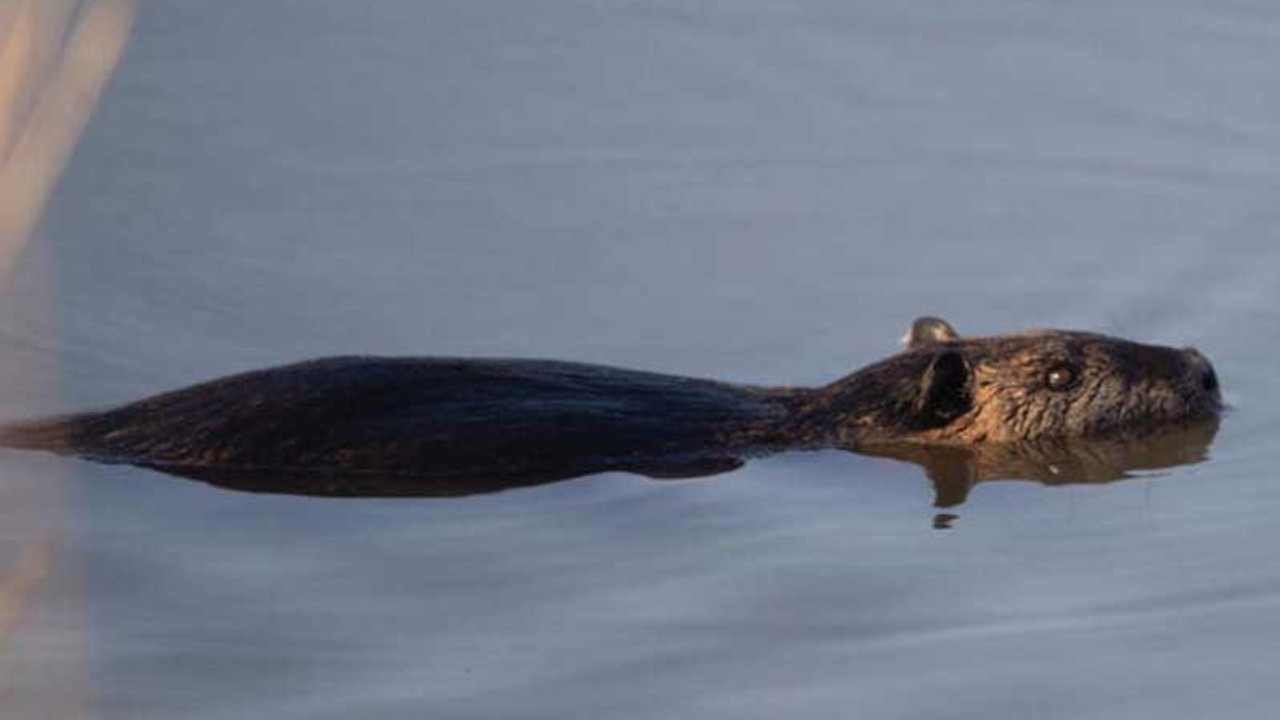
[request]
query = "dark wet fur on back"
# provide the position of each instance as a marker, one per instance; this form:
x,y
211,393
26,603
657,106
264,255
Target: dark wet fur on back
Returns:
x,y
388,416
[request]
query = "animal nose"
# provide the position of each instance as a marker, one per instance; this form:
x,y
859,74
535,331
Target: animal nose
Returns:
x,y
1202,371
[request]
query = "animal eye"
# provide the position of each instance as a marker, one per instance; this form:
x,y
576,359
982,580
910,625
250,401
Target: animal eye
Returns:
x,y
1060,377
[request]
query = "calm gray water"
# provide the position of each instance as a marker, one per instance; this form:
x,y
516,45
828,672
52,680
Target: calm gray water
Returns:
x,y
758,191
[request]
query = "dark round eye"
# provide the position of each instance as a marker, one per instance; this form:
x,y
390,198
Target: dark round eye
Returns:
x,y
1060,377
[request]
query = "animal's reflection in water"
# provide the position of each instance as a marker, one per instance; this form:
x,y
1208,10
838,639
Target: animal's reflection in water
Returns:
x,y
954,471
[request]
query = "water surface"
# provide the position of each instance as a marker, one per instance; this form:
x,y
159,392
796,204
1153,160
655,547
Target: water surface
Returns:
x,y
753,191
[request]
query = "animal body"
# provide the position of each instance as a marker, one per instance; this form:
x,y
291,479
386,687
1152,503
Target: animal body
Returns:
x,y
442,426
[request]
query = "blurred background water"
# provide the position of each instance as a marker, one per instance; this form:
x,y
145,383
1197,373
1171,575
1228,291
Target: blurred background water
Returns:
x,y
758,191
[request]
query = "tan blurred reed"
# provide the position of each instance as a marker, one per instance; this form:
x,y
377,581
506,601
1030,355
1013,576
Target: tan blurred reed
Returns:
x,y
56,57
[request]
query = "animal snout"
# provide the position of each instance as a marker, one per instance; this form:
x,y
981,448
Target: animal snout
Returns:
x,y
1202,373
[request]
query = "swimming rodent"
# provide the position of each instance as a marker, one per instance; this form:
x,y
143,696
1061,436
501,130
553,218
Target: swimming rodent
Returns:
x,y
444,426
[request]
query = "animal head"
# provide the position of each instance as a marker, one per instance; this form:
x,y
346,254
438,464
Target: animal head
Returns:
x,y
948,389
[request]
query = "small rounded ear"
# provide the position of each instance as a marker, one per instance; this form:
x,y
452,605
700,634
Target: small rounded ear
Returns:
x,y
929,330
945,388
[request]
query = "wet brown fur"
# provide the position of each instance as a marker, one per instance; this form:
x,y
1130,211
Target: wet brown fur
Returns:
x,y
994,389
